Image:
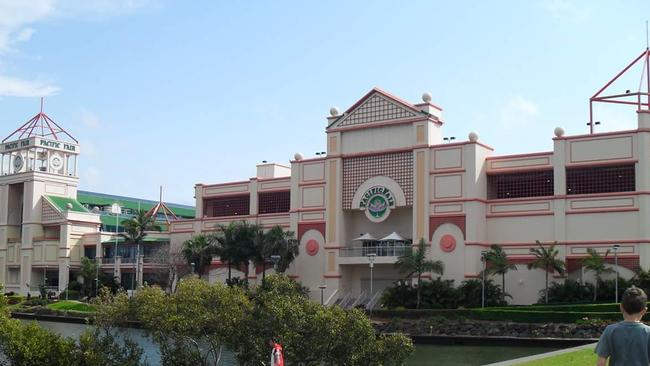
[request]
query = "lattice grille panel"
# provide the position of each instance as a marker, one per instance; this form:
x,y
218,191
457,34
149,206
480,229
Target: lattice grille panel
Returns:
x,y
228,206
515,185
397,166
274,202
49,213
375,109
602,179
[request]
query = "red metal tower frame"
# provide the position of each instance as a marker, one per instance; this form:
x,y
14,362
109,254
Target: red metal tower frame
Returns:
x,y
40,125
642,101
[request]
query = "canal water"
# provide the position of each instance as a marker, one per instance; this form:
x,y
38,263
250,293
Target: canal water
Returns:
x,y
425,354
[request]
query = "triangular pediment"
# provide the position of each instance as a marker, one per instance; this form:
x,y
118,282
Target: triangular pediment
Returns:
x,y
50,212
374,107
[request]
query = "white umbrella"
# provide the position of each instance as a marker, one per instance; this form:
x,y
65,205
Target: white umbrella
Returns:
x,y
393,237
365,237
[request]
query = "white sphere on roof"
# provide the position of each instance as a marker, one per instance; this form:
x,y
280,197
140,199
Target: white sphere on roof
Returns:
x,y
426,97
334,111
68,206
95,210
473,136
559,131
298,156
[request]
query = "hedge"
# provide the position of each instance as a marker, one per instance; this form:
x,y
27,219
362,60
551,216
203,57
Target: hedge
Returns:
x,y
513,314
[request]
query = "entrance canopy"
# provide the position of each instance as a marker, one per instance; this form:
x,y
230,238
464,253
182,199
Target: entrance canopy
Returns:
x,y
393,237
365,237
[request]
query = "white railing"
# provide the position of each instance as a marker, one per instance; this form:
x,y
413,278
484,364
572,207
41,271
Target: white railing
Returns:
x,y
379,251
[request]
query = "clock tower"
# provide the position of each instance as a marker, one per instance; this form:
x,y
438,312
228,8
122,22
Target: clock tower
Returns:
x,y
39,212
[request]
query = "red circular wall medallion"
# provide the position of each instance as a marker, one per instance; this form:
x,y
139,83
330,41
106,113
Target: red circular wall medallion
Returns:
x,y
312,247
448,243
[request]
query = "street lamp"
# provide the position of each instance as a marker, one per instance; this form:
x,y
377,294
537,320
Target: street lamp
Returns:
x,y
371,262
275,259
483,253
193,265
322,292
116,210
616,246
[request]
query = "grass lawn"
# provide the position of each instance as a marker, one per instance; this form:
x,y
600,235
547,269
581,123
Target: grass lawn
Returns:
x,y
71,305
584,357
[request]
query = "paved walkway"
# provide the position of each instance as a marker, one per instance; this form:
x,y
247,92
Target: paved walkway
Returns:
x,y
541,356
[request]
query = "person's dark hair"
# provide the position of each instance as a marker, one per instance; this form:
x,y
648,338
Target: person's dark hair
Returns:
x,y
634,300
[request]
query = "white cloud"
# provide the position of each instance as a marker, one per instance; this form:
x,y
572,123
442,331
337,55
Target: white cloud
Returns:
x,y
17,18
14,87
518,112
89,119
567,10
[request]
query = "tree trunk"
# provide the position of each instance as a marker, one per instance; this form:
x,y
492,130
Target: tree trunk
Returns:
x,y
229,271
546,292
417,304
503,286
263,271
596,289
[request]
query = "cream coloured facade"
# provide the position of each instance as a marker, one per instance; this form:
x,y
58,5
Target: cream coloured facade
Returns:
x,y
388,170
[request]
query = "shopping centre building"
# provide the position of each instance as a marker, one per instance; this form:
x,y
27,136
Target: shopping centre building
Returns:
x,y
388,179
47,226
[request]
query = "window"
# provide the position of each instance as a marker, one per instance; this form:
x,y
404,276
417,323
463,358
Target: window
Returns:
x,y
602,179
517,185
273,202
227,206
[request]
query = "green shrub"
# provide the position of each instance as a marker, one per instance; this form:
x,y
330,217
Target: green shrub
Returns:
x,y
14,299
435,294
569,291
71,295
471,294
35,301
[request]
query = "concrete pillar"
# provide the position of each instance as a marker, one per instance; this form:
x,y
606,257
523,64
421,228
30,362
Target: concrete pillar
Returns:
x,y
64,273
643,185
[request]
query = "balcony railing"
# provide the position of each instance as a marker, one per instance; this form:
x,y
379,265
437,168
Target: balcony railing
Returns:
x,y
379,251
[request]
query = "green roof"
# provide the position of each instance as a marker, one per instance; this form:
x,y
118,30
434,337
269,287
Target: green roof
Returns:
x,y
99,199
61,204
147,239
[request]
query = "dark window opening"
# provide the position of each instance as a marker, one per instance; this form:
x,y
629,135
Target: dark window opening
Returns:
x,y
602,179
517,185
227,206
273,202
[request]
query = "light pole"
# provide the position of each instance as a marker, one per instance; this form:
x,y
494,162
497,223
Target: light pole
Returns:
x,y
616,246
322,293
371,262
116,210
193,265
483,282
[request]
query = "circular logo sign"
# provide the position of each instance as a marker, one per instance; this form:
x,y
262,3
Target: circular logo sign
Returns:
x,y
56,162
377,203
18,162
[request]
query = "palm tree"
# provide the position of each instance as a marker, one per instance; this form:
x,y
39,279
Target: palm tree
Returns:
x,y
546,259
596,262
415,262
499,265
199,251
137,228
236,244
278,242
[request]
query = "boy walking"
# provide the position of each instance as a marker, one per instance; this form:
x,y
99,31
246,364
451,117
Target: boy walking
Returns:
x,y
627,343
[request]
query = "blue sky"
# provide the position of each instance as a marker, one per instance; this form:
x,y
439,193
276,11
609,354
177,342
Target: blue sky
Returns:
x,y
184,92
